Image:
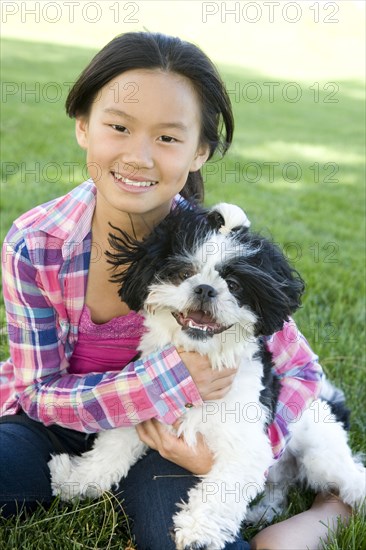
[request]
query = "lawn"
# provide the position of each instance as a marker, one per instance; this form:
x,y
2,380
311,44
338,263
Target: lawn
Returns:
x,y
296,167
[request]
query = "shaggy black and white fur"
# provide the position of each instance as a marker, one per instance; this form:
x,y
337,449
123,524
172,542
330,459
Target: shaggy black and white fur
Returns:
x,y
206,283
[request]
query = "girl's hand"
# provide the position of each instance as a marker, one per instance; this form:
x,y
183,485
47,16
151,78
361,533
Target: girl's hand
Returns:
x,y
199,460
211,384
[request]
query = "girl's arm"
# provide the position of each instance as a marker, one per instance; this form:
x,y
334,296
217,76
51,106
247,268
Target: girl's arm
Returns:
x,y
159,386
300,374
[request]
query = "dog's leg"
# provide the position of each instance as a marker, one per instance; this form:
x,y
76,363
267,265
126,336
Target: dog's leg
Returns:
x,y
281,476
218,503
324,457
98,470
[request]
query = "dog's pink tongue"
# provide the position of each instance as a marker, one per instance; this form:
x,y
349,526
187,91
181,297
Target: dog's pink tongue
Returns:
x,y
200,317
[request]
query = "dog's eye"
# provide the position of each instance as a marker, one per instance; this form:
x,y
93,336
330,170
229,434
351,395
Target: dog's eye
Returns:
x,y
232,285
185,274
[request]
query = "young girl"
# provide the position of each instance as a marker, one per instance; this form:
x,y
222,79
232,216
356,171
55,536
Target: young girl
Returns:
x,y
150,110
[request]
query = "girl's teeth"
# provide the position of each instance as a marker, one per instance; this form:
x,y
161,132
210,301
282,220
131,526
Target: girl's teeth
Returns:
x,y
133,182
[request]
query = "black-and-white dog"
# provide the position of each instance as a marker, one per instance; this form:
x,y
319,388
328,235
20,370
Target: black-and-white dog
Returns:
x,y
206,283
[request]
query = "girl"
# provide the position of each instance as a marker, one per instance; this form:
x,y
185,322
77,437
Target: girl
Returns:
x,y
150,110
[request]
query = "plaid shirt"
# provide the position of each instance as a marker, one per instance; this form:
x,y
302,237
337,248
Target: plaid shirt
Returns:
x,y
46,256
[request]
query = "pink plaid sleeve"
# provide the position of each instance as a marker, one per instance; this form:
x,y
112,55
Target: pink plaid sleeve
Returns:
x,y
300,374
159,386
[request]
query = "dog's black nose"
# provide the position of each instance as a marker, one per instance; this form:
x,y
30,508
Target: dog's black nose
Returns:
x,y
205,292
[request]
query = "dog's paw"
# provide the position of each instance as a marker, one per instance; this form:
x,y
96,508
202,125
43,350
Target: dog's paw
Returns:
x,y
353,492
182,542
193,546
198,533
70,480
60,468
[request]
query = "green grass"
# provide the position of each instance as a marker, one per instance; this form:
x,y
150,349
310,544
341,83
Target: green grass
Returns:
x,y
318,219
101,524
352,537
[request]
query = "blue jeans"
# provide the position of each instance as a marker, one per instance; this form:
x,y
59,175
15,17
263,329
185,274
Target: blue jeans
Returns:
x,y
148,499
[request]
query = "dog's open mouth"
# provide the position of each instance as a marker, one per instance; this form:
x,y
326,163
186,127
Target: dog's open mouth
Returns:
x,y
199,320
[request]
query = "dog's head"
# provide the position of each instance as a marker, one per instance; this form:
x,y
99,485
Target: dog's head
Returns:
x,y
209,271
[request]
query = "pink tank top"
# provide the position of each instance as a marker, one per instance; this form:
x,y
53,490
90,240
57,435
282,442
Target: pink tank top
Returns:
x,y
108,346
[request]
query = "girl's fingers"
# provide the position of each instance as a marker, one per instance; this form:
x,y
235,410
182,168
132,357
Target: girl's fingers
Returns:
x,y
209,382
144,432
154,434
197,460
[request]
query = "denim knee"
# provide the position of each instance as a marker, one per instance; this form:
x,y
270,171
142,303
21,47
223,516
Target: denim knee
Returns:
x,y
24,474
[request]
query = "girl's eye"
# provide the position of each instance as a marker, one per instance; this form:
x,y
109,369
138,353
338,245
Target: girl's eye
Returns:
x,y
167,139
119,128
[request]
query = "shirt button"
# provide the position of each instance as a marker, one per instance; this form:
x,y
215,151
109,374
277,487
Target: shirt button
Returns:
x,y
188,405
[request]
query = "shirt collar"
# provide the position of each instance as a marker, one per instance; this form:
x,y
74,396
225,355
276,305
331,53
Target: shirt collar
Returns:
x,y
69,218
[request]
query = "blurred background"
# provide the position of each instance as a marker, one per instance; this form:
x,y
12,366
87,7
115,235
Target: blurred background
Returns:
x,y
303,39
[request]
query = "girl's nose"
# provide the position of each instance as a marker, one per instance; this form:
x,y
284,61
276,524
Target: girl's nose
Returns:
x,y
138,154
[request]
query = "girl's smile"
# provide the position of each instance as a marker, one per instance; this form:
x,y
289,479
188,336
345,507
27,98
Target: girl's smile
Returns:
x,y
133,185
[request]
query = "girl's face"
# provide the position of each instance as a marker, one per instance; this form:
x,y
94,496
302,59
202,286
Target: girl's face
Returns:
x,y
142,139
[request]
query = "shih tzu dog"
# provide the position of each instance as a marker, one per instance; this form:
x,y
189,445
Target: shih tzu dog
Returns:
x,y
206,283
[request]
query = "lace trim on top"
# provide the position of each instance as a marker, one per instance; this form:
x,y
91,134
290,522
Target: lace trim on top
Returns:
x,y
125,326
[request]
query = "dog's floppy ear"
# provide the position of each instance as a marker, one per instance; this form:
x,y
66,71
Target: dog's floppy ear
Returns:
x,y
134,268
284,291
225,217
273,288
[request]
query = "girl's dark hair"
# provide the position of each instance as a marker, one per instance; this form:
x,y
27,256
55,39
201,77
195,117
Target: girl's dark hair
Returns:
x,y
145,50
